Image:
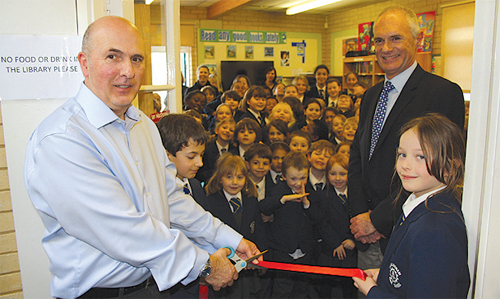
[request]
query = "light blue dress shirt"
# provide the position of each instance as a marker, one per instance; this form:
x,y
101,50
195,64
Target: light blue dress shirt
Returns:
x,y
107,195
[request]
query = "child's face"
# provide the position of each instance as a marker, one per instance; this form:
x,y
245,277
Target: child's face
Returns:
x,y
281,113
321,76
257,103
232,103
240,89
270,103
301,87
337,176
291,92
299,144
412,167
278,156
258,168
280,90
319,158
333,89
296,179
196,102
349,131
338,127
223,112
246,136
329,115
244,83
233,183
225,132
275,135
312,112
188,160
351,80
344,103
209,95
345,149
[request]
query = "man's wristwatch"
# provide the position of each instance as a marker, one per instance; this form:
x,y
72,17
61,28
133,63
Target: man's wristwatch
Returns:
x,y
207,269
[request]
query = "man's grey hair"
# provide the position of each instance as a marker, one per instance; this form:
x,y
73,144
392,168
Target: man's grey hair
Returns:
x,y
410,15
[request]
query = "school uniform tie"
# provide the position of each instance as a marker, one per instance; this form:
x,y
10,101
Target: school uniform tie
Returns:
x,y
235,204
322,93
319,186
186,189
223,151
403,218
378,118
261,121
343,197
279,179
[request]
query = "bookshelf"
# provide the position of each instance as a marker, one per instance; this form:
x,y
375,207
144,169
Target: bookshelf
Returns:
x,y
367,68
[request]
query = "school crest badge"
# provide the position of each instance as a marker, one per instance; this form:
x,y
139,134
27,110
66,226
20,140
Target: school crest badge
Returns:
x,y
394,274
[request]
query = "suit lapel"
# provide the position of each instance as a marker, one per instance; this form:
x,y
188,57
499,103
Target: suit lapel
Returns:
x,y
405,97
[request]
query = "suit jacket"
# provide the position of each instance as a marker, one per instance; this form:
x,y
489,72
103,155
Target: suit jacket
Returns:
x,y
209,159
249,114
370,180
219,207
314,93
427,254
198,193
291,227
333,227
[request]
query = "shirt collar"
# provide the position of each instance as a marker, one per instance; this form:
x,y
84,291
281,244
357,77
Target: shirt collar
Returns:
x,y
261,184
338,192
219,147
256,114
97,112
400,80
314,180
412,202
229,196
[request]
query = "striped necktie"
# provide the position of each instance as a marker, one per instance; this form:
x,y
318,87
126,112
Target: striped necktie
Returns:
x,y
235,204
343,197
319,186
186,189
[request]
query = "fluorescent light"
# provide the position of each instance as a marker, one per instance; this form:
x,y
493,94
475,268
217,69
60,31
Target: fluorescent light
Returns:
x,y
149,2
309,5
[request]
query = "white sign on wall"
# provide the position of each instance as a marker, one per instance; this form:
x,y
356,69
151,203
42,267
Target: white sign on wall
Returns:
x,y
39,67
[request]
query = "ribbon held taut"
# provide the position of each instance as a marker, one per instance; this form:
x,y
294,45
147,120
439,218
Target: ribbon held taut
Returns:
x,y
347,272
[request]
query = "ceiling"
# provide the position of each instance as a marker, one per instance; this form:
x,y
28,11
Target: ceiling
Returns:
x,y
281,5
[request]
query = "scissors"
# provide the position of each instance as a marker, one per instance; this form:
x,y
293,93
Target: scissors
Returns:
x,y
239,263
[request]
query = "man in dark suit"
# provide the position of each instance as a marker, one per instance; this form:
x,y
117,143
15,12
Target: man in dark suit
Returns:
x,y
411,93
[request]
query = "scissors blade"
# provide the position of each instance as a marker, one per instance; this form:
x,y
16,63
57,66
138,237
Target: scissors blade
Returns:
x,y
249,261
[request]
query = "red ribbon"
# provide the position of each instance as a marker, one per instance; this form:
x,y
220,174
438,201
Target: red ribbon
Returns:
x,y
347,272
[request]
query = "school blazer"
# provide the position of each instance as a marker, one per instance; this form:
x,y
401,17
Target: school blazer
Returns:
x,y
314,93
291,228
198,193
219,207
249,114
427,255
370,180
209,159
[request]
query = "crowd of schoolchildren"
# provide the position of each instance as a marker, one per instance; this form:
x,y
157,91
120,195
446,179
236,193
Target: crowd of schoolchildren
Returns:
x,y
274,167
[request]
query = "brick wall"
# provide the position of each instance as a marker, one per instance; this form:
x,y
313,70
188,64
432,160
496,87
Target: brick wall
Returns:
x,y
241,19
10,276
348,19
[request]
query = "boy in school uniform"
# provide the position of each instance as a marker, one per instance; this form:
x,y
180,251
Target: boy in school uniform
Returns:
x,y
184,140
318,155
279,151
292,238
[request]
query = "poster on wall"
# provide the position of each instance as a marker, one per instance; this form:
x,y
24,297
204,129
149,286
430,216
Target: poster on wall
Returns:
x,y
365,34
348,45
209,52
212,67
248,52
39,67
268,52
426,24
285,58
231,51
